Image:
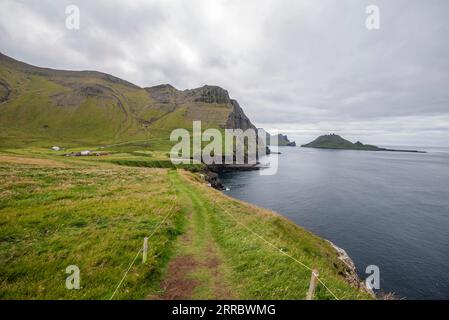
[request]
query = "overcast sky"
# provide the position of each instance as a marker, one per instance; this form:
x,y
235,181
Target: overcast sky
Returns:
x,y
303,67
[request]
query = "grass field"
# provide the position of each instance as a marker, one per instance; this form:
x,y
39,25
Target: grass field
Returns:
x,y
94,218
56,212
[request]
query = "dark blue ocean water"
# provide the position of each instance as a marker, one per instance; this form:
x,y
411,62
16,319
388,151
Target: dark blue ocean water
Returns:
x,y
384,208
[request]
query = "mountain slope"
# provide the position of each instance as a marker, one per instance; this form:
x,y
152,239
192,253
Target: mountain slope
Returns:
x,y
39,105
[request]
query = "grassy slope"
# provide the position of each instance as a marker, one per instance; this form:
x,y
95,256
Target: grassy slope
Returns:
x,y
258,271
32,115
96,218
50,107
55,212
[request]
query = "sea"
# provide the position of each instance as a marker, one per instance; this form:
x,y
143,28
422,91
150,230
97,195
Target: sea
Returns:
x,y
387,209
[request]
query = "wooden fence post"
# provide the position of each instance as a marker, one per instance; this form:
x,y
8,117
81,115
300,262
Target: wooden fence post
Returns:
x,y
145,250
313,283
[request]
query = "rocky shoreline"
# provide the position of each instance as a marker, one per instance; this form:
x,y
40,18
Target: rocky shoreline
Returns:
x,y
211,172
351,275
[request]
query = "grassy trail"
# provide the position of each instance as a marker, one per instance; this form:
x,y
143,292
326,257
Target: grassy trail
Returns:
x,y
197,270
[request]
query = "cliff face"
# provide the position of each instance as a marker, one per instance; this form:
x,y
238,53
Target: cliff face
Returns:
x,y
166,93
210,94
283,141
237,119
200,101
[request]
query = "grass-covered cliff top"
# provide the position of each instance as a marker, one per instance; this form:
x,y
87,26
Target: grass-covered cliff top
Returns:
x,y
57,211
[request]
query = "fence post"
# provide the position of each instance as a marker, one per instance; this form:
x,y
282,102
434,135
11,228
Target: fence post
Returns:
x,y
313,283
145,250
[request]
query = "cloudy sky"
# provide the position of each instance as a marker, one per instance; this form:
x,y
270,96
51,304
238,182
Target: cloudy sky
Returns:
x,y
303,67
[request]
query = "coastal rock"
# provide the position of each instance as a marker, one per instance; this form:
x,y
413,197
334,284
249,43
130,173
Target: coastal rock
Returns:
x,y
213,180
351,274
283,140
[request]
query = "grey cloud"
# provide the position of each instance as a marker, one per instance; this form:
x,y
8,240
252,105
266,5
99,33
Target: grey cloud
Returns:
x,y
299,66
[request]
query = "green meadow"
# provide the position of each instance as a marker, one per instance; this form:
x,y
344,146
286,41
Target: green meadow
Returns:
x,y
58,211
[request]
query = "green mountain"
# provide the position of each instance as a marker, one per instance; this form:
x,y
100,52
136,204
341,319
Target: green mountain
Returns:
x,y
333,141
41,106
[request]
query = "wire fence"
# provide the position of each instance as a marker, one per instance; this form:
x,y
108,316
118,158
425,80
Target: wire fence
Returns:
x,y
170,212
278,249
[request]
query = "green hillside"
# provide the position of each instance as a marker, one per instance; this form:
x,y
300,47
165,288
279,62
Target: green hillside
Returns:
x,y
41,107
333,141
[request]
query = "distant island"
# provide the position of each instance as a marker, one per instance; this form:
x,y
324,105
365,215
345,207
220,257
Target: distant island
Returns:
x,y
334,141
282,140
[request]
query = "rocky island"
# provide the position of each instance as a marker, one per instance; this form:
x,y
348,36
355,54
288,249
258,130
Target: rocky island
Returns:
x,y
283,141
334,141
